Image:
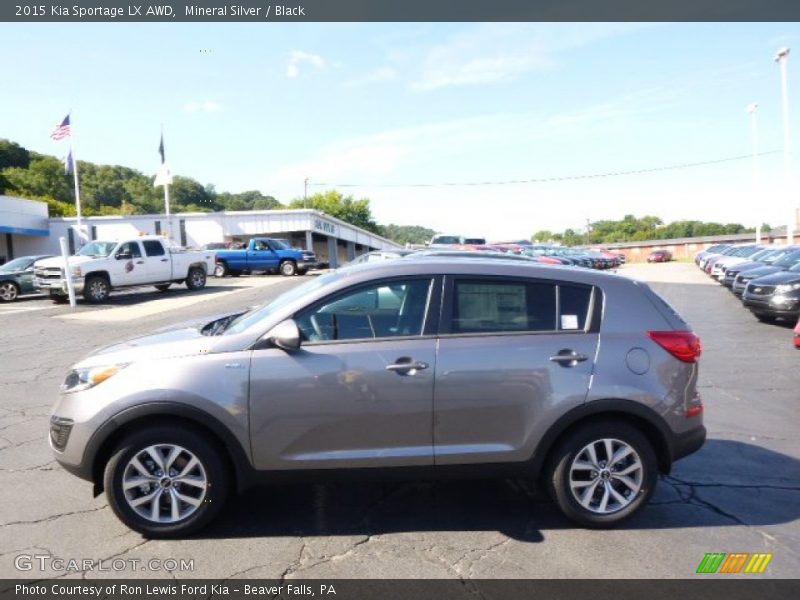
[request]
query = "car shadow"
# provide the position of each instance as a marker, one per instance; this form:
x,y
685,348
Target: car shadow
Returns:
x,y
726,483
145,294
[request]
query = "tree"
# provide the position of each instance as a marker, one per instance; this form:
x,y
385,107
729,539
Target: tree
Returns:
x,y
44,177
543,235
407,234
12,155
355,212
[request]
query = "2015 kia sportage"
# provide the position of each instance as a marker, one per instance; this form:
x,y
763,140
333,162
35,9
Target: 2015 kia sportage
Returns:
x,y
435,364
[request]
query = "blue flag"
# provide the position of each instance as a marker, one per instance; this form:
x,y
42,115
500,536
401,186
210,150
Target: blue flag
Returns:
x,y
161,149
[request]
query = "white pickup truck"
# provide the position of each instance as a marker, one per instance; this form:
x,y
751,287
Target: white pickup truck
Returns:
x,y
101,266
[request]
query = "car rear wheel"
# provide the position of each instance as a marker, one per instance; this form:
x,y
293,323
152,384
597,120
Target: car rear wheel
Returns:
x,y
96,289
196,279
8,291
288,268
221,270
166,482
602,474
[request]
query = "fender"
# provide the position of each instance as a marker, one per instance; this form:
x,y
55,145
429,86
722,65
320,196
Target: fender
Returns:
x,y
613,408
101,443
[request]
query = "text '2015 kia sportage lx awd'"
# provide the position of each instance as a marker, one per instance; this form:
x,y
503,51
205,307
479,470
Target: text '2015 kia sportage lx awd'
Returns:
x,y
585,380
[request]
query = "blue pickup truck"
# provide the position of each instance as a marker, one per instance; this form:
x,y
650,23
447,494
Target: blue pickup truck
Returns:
x,y
264,254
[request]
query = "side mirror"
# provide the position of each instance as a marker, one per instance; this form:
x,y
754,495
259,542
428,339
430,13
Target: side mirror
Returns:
x,y
285,335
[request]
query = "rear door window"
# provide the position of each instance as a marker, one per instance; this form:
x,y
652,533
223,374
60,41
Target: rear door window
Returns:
x,y
153,248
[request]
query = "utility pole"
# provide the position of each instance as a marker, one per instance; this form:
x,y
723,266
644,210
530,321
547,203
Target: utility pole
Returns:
x,y
305,191
782,57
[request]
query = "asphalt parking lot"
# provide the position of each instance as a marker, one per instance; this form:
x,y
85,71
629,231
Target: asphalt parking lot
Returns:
x,y
740,493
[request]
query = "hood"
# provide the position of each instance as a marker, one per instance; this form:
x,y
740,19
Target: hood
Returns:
x,y
57,262
748,266
778,278
761,272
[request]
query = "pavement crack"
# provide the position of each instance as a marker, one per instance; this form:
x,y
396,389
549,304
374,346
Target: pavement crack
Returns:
x,y
54,517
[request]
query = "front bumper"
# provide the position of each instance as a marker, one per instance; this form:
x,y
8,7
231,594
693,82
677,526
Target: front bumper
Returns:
x,y
778,305
57,286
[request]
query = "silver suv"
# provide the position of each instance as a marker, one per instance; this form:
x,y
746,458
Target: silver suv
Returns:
x,y
436,365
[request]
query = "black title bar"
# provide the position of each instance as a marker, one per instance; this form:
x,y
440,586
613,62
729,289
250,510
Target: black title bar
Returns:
x,y
263,11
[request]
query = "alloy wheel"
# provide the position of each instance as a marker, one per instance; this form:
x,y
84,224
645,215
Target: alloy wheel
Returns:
x,y
605,476
8,291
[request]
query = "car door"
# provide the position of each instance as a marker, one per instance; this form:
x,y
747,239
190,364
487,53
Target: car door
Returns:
x,y
128,266
514,355
156,261
359,390
262,257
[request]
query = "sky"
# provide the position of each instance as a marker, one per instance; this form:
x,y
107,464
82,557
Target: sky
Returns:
x,y
432,122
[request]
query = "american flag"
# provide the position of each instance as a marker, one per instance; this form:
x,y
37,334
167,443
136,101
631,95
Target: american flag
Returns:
x,y
62,131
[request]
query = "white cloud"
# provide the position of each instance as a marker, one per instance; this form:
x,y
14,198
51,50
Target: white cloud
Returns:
x,y
298,57
204,106
490,53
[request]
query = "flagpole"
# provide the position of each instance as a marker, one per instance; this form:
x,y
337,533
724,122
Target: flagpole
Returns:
x,y
75,178
166,204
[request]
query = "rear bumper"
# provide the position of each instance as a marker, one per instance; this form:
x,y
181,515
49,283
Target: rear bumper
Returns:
x,y
688,443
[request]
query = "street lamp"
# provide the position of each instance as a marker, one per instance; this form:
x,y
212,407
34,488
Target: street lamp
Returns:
x,y
753,110
782,58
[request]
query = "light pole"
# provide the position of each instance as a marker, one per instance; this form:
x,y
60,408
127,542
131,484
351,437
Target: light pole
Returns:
x,y
782,58
753,110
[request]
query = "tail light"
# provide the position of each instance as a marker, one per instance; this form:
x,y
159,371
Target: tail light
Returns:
x,y
683,345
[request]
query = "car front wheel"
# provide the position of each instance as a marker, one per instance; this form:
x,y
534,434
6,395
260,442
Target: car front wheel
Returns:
x,y
602,474
96,289
166,481
288,268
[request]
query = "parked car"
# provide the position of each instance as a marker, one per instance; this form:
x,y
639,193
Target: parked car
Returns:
x,y
659,256
715,249
724,251
775,296
16,277
223,246
761,258
787,261
401,365
103,266
264,254
742,255
443,240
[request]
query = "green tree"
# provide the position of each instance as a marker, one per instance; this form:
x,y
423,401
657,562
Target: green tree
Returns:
x,y
407,234
333,203
543,235
44,177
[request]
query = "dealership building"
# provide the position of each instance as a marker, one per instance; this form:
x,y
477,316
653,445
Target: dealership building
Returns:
x,y
28,230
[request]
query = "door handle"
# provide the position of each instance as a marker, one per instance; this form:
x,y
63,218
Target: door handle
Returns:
x,y
139,262
164,259
406,365
568,358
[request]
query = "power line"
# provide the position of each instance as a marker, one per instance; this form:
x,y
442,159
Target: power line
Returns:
x,y
549,179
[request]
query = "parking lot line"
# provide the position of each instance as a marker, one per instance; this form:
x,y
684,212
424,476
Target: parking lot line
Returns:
x,y
16,309
162,305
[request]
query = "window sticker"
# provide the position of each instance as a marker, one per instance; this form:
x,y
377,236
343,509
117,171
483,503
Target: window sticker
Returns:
x,y
569,321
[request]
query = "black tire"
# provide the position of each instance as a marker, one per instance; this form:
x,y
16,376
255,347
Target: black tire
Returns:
x,y
213,463
561,458
234,273
302,271
162,287
764,318
221,269
58,298
96,289
196,279
9,291
288,268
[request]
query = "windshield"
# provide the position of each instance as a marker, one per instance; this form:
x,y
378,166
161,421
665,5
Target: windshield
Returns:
x,y
97,249
477,241
16,265
787,261
255,316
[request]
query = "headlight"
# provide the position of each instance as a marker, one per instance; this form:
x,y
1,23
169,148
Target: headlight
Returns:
x,y
76,272
787,287
78,380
